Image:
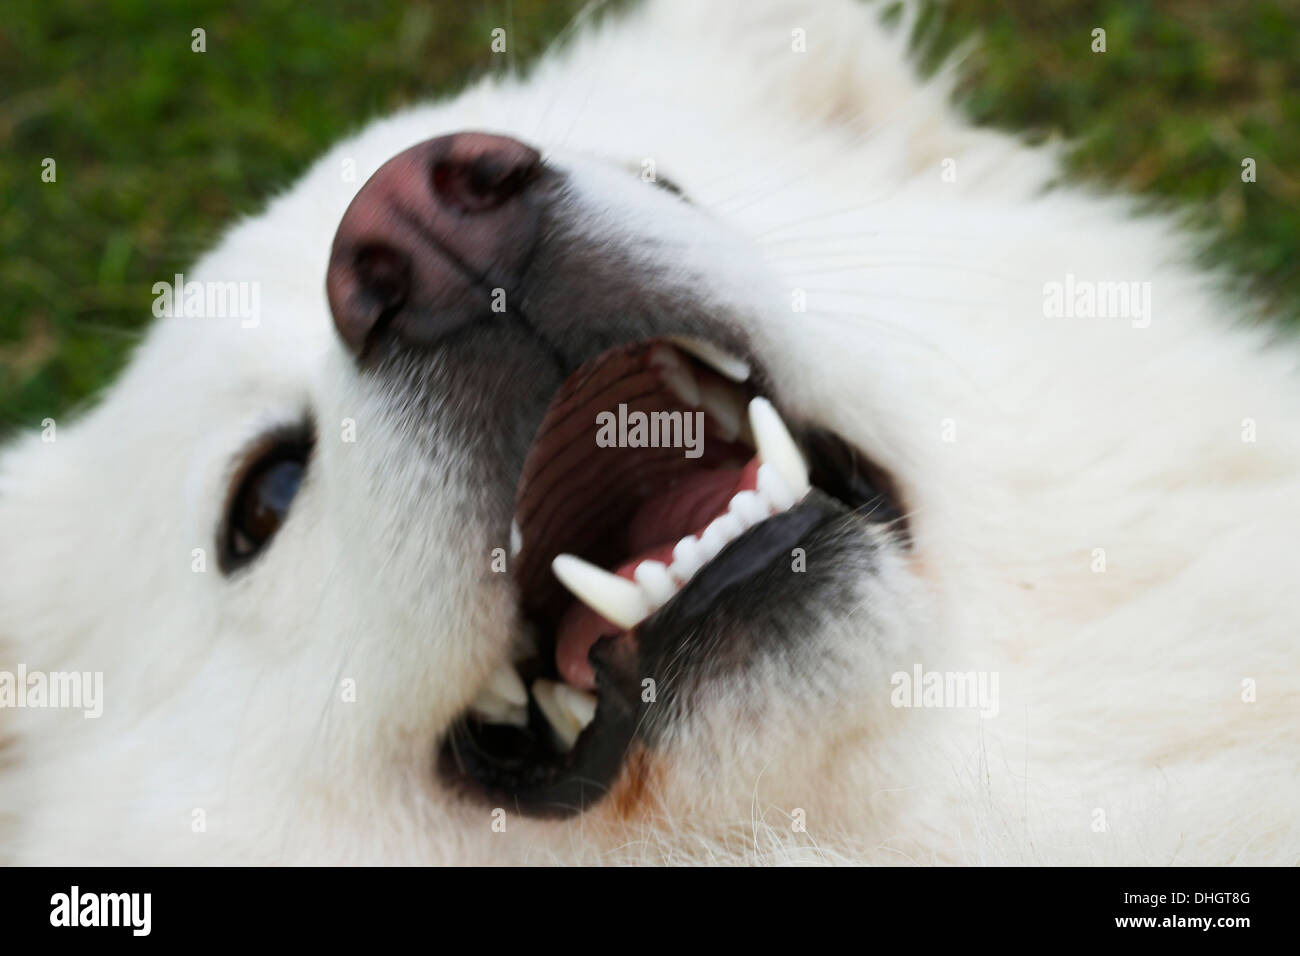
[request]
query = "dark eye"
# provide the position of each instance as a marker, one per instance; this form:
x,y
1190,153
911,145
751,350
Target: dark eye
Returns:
x,y
261,499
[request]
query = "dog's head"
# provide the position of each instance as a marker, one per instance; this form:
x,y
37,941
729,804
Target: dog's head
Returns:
x,y
569,471
595,618
549,473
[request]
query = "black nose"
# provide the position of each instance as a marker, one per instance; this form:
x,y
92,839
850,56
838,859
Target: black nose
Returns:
x,y
431,237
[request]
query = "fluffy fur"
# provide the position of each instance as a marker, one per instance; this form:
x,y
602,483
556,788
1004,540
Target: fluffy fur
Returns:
x,y
1021,444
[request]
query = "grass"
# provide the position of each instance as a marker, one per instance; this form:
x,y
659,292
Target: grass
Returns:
x,y
158,147
1186,90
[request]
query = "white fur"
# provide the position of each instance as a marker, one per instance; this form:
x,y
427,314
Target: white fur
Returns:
x,y
820,171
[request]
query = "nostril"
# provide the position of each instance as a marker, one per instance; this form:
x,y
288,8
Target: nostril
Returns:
x,y
485,182
381,281
384,276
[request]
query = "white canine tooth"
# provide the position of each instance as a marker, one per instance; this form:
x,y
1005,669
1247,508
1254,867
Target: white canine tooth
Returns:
x,y
687,559
777,448
746,432
516,717
567,709
683,385
493,710
736,369
505,683
616,599
581,706
749,507
721,405
677,375
655,581
562,726
487,704
771,487
516,539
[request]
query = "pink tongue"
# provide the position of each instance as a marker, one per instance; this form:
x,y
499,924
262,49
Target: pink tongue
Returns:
x,y
652,533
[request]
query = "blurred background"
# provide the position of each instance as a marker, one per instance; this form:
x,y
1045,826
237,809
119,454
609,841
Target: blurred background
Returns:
x,y
159,148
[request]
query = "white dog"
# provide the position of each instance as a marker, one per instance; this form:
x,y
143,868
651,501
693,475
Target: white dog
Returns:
x,y
951,515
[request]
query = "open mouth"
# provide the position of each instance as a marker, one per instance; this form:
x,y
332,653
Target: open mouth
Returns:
x,y
659,485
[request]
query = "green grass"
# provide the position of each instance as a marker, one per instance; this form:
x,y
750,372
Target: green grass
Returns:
x,y
158,148
1185,91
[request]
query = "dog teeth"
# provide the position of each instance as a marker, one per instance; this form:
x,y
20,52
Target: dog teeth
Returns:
x,y
777,449
677,375
750,507
782,480
771,487
687,559
505,683
721,531
567,710
723,406
503,699
616,599
711,545
726,364
493,709
746,509
730,526
580,704
656,582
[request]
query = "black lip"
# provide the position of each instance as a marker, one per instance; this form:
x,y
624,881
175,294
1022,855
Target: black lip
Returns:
x,y
539,783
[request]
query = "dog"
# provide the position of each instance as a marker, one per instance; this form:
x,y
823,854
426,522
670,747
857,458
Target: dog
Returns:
x,y
706,448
